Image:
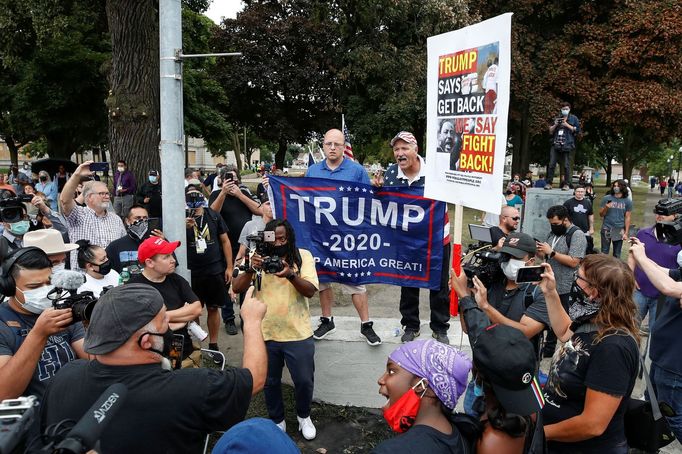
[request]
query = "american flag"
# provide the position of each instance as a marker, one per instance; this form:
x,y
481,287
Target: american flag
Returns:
x,y
348,148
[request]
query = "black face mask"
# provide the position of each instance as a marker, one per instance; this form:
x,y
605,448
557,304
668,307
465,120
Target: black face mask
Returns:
x,y
508,192
280,250
558,230
580,307
167,342
104,268
43,178
138,229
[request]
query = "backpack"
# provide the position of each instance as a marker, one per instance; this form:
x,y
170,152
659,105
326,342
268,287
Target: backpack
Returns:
x,y
469,428
569,235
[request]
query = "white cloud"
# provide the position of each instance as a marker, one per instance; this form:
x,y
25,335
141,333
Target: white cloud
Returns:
x,y
224,8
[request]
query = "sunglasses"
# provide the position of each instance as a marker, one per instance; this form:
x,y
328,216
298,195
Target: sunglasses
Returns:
x,y
515,218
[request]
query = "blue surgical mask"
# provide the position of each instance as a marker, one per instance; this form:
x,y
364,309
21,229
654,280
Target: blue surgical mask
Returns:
x,y
153,178
19,228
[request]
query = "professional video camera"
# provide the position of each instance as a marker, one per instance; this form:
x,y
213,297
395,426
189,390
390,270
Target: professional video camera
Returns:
x,y
669,231
485,265
64,295
12,208
264,241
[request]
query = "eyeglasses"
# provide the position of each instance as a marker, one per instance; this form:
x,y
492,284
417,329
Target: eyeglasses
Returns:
x,y
332,145
103,194
576,276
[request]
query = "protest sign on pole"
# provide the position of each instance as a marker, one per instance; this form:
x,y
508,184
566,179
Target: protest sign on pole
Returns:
x,y
467,105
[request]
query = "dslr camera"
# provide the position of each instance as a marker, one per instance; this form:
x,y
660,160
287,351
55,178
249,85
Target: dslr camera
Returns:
x,y
81,304
12,208
670,231
264,241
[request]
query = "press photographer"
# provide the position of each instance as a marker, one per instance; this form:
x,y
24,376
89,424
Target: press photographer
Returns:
x,y
665,342
506,301
287,279
15,224
36,340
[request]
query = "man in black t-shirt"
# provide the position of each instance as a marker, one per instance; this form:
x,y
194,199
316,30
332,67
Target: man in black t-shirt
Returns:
x,y
236,205
581,215
209,257
183,306
165,410
509,220
122,253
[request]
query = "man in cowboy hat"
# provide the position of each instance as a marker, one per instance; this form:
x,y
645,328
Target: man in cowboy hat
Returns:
x,y
52,243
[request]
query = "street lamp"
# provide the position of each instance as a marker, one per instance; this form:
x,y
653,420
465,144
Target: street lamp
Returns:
x,y
679,161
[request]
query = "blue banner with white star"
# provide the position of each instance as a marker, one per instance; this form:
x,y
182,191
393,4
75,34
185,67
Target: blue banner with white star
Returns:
x,y
360,234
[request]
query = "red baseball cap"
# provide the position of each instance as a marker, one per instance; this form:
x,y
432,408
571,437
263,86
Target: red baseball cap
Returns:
x,y
155,245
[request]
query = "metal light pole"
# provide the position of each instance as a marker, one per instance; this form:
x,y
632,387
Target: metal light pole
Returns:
x,y
172,131
679,161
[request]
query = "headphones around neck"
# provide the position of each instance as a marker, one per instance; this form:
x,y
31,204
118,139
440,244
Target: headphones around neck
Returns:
x,y
7,285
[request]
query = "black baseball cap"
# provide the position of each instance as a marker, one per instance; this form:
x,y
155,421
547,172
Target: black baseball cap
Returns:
x,y
12,210
118,314
519,244
507,360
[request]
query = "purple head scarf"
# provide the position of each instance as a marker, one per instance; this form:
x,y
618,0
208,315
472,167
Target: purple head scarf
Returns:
x,y
444,367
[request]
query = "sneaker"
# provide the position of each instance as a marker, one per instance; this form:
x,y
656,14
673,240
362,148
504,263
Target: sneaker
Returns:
x,y
307,428
282,425
231,328
548,186
367,331
441,337
326,327
216,358
409,335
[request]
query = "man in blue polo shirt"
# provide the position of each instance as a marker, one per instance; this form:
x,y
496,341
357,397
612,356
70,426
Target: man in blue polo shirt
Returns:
x,y
336,167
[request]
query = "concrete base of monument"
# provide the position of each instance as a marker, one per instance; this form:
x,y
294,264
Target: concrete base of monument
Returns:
x,y
347,368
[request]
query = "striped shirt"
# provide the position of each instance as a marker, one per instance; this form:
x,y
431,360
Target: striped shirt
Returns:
x,y
84,224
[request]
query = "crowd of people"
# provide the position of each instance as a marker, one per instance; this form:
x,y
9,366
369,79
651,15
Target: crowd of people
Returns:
x,y
584,310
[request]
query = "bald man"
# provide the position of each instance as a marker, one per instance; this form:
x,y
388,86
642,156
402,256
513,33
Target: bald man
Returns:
x,y
509,220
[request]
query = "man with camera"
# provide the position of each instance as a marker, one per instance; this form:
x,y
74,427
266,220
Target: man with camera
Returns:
x,y
129,338
515,301
663,254
564,131
236,205
93,222
666,342
156,255
15,224
509,220
287,279
36,341
209,257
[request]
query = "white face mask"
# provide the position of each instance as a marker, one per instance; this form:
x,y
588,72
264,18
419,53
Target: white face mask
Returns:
x,y
58,267
36,300
564,112
511,268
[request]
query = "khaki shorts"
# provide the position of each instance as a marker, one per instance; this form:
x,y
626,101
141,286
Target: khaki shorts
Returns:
x,y
347,289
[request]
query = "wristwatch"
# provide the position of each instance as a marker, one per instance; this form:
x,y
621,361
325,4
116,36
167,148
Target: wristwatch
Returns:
x,y
552,254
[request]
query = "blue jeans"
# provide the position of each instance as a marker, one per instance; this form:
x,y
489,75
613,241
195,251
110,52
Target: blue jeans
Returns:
x,y
646,304
668,388
606,243
299,357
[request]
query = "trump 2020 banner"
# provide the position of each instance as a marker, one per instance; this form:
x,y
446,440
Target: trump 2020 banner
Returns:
x,y
467,105
360,234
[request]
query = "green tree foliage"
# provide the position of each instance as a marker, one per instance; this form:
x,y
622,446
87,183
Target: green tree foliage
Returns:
x,y
51,53
615,61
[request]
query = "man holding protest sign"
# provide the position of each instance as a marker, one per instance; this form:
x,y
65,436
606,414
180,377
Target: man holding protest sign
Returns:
x,y
336,167
409,171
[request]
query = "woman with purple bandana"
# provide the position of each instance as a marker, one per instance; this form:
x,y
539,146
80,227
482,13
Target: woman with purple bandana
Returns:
x,y
422,383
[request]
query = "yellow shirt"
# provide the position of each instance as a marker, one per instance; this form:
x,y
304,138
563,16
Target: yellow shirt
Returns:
x,y
288,316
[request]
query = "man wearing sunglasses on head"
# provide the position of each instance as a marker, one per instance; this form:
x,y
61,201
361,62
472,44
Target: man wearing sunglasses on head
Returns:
x,y
509,220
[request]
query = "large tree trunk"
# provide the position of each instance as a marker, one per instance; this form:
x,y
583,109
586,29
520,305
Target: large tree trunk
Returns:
x,y
13,150
134,84
609,169
236,145
281,153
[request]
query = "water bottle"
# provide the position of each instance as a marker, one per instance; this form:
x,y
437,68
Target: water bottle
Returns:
x,y
124,277
196,331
